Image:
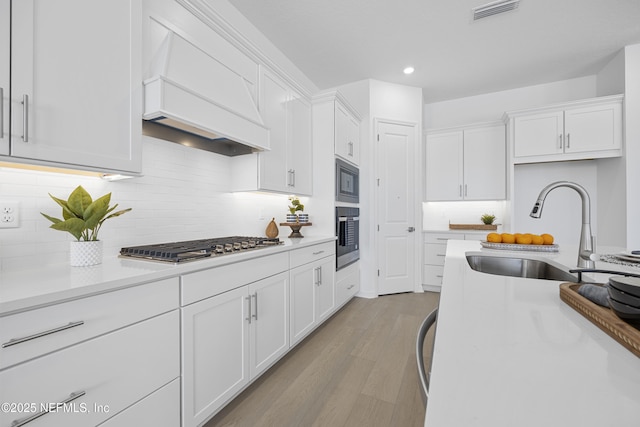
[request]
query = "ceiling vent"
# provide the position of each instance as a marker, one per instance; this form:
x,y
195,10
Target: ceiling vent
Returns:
x,y
494,8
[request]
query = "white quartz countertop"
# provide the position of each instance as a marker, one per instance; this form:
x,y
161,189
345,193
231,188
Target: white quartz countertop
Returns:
x,y
508,352
24,290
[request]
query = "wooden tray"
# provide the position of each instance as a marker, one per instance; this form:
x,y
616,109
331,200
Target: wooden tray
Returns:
x,y
602,317
472,227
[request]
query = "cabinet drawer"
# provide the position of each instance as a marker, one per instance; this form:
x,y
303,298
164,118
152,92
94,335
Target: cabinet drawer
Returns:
x,y
441,238
54,327
107,373
434,253
311,253
207,283
432,275
161,408
347,287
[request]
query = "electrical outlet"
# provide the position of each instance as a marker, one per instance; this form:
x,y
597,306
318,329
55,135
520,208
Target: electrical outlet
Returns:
x,y
9,214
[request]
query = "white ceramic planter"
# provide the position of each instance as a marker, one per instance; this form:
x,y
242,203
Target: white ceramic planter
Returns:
x,y
83,254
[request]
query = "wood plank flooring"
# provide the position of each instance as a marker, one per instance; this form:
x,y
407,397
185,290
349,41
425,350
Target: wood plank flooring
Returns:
x,y
358,369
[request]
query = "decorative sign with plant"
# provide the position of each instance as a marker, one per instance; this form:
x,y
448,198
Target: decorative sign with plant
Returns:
x,y
82,216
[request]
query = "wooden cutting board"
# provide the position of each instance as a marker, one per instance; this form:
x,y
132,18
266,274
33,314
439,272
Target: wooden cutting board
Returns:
x,y
602,317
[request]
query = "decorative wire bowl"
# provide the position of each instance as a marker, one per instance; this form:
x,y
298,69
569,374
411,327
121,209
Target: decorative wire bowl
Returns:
x,y
517,247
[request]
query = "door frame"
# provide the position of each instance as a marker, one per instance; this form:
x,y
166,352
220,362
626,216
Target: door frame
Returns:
x,y
418,199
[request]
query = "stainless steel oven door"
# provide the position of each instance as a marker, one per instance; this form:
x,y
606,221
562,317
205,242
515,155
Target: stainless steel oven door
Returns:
x,y
347,236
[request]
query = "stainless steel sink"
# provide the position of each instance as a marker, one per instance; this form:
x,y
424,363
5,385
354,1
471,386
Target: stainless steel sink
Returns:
x,y
519,267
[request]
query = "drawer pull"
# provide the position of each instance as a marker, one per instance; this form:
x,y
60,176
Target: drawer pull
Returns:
x,y
23,421
441,254
351,287
318,253
439,275
15,341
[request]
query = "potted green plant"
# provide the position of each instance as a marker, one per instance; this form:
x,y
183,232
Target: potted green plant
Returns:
x,y
295,206
82,218
487,219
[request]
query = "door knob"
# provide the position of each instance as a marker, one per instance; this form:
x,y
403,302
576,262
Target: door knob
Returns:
x,y
411,229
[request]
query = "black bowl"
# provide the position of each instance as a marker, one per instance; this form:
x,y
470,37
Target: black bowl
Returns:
x,y
629,285
625,312
623,297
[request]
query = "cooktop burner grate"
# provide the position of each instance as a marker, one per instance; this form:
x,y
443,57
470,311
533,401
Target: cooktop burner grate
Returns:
x,y
176,252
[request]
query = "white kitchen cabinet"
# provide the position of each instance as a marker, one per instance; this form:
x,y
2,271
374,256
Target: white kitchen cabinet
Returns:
x,y
337,123
466,164
312,297
75,84
5,50
287,167
251,324
347,283
435,250
123,359
580,130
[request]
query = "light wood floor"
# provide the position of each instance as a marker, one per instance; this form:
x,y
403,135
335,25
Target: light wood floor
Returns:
x,y
358,369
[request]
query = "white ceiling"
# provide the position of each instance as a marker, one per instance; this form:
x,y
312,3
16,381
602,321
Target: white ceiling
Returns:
x,y
341,41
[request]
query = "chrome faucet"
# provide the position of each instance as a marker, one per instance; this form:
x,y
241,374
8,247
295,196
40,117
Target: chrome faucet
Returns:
x,y
586,249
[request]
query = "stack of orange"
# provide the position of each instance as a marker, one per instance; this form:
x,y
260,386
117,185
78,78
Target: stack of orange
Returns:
x,y
521,239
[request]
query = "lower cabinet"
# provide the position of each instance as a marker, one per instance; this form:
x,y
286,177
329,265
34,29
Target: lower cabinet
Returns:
x,y
347,283
312,296
228,340
435,249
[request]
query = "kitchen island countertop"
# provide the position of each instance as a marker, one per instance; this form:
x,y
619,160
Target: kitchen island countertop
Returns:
x,y
37,287
509,352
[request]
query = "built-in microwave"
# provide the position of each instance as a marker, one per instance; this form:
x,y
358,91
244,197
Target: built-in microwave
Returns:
x,y
347,182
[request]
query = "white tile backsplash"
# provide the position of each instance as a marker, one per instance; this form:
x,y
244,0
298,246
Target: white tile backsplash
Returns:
x,y
182,195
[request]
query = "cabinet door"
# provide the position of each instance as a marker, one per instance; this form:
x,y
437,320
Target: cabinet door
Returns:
x,y
485,166
273,163
76,82
342,132
354,140
215,336
539,134
269,331
299,161
325,288
302,301
593,128
444,166
5,42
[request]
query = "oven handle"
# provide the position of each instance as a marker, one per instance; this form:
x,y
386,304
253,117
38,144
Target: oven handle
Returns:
x,y
348,218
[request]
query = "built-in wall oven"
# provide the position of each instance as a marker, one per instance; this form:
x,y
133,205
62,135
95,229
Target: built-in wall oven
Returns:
x,y
347,182
347,233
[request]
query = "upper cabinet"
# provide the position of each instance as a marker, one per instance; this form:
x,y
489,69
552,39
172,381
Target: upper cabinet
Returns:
x,y
337,123
579,130
75,84
466,164
347,128
287,166
5,49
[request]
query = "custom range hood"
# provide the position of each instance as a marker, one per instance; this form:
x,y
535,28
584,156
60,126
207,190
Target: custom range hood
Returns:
x,y
194,100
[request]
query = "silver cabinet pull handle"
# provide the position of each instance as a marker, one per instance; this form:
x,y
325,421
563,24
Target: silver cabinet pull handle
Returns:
x,y
465,190
293,175
411,229
560,141
316,274
15,341
23,421
318,253
351,287
255,307
568,140
460,190
319,276
351,148
25,119
249,302
1,112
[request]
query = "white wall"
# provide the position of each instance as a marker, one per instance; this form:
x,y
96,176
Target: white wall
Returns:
x,y
491,106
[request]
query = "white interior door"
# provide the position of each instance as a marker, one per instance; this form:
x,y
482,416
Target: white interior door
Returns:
x,y
396,213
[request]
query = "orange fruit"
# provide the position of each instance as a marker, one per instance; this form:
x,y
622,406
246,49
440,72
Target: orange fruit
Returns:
x,y
537,240
523,239
508,238
494,238
547,239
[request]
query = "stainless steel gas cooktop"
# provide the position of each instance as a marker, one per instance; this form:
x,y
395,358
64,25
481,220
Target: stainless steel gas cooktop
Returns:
x,y
178,252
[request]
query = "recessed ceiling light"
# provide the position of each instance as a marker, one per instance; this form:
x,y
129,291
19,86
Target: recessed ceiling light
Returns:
x,y
408,70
